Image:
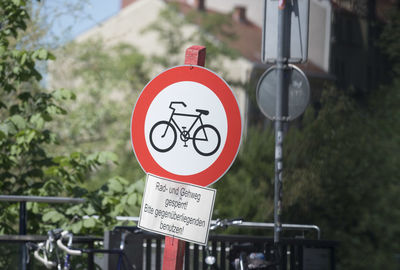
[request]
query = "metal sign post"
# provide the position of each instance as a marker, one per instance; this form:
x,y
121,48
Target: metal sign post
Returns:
x,y
283,91
280,104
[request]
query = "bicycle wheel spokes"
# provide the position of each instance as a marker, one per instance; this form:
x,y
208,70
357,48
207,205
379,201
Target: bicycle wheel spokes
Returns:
x,y
206,140
163,136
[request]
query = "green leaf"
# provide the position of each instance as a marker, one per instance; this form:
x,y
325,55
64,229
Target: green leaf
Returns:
x,y
90,210
107,156
18,121
89,223
73,210
115,185
23,59
16,70
30,135
42,54
76,227
16,53
52,215
63,94
139,185
4,129
37,120
51,56
132,199
35,208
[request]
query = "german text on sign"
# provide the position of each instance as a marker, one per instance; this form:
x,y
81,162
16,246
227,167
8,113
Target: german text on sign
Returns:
x,y
177,209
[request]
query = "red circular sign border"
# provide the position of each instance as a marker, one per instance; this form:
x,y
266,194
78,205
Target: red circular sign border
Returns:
x,y
222,91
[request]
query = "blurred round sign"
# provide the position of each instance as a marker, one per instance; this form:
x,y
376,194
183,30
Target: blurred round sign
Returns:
x,y
295,99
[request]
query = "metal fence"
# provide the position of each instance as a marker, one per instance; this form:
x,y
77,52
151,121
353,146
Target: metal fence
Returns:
x,y
145,251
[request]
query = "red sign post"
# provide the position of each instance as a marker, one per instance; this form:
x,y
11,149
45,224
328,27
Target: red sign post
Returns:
x,y
175,249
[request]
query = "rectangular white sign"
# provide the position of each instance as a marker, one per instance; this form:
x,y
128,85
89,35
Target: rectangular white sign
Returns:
x,y
296,38
177,209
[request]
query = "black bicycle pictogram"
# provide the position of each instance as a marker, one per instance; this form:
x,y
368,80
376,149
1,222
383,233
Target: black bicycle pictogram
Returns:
x,y
206,138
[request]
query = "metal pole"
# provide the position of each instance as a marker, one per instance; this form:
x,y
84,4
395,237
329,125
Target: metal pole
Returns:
x,y
281,62
22,231
278,127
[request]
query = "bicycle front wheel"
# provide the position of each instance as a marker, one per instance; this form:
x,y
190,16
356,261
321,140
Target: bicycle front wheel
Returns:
x,y
163,136
206,140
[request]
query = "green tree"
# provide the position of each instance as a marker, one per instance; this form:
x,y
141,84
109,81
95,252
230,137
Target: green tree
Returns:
x,y
340,171
28,164
341,176
249,182
107,81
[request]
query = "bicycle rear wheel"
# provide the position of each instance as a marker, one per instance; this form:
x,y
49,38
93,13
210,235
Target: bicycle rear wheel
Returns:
x,y
206,140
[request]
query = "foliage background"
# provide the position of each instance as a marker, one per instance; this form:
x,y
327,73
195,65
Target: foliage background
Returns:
x,y
341,159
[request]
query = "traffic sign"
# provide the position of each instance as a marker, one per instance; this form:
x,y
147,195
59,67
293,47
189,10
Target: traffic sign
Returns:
x,y
295,102
186,126
296,41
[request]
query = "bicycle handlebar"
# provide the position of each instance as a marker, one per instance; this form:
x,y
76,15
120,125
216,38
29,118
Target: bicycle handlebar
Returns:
x,y
66,234
225,223
43,260
176,102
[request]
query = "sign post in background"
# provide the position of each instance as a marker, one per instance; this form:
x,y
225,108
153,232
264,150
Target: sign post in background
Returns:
x,y
283,91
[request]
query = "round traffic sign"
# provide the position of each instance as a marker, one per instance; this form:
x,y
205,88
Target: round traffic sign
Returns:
x,y
186,126
298,92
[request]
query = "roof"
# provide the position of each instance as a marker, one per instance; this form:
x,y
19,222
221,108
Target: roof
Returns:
x,y
247,36
248,40
381,9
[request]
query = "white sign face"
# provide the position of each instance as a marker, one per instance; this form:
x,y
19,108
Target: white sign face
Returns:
x,y
186,125
177,209
187,129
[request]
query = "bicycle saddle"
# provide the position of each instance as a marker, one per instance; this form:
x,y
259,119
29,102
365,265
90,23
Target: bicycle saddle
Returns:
x,y
202,111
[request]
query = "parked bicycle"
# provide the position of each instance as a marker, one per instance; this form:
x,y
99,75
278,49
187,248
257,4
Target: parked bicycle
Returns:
x,y
47,252
54,247
206,138
41,254
242,256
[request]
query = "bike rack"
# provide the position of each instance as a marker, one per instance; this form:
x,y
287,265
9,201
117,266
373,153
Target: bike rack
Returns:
x,y
297,227
254,225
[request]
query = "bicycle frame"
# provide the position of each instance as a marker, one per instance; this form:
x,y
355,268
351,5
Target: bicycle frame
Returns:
x,y
172,120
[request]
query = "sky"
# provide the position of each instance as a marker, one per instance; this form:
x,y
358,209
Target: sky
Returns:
x,y
73,17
